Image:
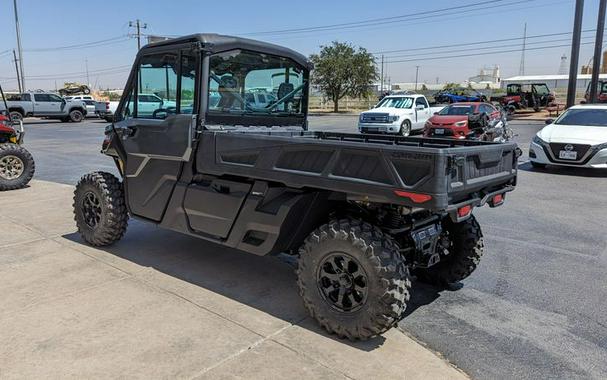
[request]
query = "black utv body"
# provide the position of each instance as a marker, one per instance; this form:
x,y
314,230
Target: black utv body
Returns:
x,y
226,157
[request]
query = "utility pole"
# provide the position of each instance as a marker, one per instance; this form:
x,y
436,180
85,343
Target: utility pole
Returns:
x,y
521,70
19,46
86,65
416,76
598,45
382,75
17,70
575,51
138,26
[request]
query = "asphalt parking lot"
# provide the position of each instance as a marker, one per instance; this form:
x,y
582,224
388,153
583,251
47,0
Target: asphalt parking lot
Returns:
x,y
536,306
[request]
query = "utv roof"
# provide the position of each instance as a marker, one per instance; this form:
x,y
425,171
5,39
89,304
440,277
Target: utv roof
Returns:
x,y
217,43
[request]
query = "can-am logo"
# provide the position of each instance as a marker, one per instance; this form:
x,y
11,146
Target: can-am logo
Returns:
x,y
569,147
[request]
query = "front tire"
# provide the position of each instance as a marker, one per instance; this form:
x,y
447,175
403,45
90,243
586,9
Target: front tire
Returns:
x,y
99,209
460,248
405,128
76,116
353,279
17,167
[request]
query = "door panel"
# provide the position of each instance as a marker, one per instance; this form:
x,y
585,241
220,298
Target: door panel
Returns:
x,y
212,207
155,151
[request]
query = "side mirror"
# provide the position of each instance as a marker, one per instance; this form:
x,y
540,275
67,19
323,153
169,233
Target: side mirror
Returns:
x,y
436,113
420,107
549,121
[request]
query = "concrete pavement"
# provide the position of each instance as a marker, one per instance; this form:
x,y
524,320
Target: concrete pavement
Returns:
x,y
162,305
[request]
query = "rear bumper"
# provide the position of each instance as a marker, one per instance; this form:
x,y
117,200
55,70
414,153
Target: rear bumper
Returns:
x,y
541,155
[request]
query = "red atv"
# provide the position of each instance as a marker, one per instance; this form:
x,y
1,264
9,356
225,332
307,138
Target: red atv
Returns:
x,y
523,96
601,93
16,163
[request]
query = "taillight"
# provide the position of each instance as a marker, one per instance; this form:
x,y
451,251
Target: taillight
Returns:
x,y
497,200
464,211
415,197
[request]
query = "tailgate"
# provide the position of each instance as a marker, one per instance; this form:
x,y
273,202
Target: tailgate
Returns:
x,y
482,170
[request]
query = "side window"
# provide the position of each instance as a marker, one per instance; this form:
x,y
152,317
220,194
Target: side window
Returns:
x,y
26,97
188,83
421,101
55,98
128,110
157,76
42,98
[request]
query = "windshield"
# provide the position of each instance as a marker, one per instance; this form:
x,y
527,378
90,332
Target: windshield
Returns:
x,y
244,82
591,117
541,89
400,102
457,110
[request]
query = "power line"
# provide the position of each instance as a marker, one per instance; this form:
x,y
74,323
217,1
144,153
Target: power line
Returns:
x,y
486,53
478,42
383,20
81,45
481,48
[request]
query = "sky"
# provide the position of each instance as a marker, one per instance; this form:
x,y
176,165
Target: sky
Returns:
x,y
440,36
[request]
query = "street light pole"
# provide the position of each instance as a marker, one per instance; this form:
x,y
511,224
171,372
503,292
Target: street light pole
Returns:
x,y
19,46
575,52
598,47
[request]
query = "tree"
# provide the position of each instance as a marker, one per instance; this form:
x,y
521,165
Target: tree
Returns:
x,y
341,70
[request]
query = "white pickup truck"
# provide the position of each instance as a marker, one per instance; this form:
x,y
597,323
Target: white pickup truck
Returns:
x,y
43,104
397,114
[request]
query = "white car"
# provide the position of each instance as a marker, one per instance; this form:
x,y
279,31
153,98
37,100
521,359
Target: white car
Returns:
x,y
397,114
577,138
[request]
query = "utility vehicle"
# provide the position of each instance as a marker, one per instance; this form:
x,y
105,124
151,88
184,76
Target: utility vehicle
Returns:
x,y
361,212
16,163
523,96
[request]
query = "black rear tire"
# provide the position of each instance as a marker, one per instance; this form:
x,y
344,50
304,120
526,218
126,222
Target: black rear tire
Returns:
x,y
76,116
17,167
461,248
99,209
373,280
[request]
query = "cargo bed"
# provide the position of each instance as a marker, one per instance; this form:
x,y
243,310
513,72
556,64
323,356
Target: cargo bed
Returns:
x,y
435,174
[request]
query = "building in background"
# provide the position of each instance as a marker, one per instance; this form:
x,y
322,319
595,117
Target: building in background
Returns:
x,y
488,77
555,82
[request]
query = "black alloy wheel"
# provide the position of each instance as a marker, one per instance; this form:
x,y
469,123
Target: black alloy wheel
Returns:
x,y
342,282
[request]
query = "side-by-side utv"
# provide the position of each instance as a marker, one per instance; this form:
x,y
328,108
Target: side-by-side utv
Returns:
x,y
361,212
16,163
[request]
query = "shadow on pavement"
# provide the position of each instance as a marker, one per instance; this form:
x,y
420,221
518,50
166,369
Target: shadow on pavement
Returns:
x,y
565,171
267,283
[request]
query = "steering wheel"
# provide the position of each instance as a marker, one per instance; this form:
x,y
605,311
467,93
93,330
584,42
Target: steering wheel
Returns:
x,y
166,111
